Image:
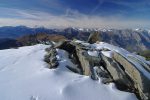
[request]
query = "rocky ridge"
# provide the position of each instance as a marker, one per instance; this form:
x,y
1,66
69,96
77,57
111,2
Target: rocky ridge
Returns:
x,y
128,71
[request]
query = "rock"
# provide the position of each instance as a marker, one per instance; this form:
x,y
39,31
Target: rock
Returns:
x,y
65,45
117,73
48,49
71,49
99,72
78,53
54,65
94,37
46,58
75,70
117,69
85,64
51,58
139,79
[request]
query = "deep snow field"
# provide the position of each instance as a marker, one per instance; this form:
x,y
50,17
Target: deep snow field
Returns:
x,y
25,76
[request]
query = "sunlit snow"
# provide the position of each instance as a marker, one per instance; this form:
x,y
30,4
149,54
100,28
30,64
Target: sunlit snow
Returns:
x,y
25,76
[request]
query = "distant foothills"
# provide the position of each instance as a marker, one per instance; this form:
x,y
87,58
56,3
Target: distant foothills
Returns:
x,y
134,40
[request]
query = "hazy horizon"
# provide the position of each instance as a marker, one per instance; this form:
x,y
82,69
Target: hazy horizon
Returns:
x,y
99,28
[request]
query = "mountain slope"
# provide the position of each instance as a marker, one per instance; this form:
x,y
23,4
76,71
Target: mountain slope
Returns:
x,y
7,43
18,31
39,38
133,40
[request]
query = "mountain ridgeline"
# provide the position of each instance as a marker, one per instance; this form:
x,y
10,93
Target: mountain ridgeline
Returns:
x,y
133,40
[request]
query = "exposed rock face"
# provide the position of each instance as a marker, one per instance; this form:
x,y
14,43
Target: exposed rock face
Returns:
x,y
118,74
51,58
132,40
140,80
80,53
94,37
84,62
122,71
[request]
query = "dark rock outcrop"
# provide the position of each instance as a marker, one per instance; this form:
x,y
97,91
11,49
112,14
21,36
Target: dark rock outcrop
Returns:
x,y
51,58
139,79
94,37
126,74
117,72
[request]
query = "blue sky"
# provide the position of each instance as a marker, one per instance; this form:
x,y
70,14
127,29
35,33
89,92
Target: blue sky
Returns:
x,y
76,13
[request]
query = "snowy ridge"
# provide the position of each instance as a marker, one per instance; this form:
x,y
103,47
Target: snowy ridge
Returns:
x,y
25,76
133,58
130,56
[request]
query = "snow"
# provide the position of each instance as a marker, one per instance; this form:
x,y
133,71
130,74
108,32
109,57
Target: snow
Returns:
x,y
103,45
64,60
133,58
81,29
148,62
104,30
78,41
93,53
108,53
138,29
25,76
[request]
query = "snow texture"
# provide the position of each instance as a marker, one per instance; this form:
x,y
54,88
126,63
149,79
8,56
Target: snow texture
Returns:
x,y
25,76
93,53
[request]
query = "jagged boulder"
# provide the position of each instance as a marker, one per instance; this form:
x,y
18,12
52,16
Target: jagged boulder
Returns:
x,y
117,68
85,64
94,37
137,73
65,45
51,58
117,73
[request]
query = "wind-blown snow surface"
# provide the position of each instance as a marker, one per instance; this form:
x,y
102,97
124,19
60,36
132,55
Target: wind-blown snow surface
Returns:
x,y
25,76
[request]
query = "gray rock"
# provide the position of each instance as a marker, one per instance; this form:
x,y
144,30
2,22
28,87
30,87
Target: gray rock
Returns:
x,y
94,37
51,58
118,74
140,80
117,69
54,65
85,64
46,58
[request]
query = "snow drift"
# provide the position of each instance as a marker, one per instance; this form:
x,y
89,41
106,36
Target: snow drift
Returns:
x,y
25,76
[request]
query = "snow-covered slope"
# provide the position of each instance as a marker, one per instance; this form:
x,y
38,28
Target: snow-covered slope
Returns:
x,y
25,76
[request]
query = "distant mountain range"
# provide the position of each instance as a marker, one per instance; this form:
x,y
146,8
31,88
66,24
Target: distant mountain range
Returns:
x,y
18,31
134,40
7,43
